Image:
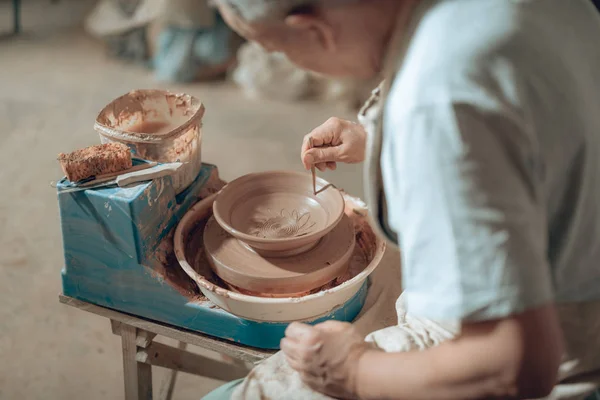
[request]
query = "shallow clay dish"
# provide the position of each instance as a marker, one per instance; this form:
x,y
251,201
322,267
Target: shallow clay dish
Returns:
x,y
276,213
243,268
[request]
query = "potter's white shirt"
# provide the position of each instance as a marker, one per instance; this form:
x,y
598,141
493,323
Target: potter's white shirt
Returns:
x,y
491,157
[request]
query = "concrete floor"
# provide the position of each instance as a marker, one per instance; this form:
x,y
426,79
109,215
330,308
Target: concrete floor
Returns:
x,y
53,81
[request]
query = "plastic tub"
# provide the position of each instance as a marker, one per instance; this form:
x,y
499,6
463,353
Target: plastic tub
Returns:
x,y
159,126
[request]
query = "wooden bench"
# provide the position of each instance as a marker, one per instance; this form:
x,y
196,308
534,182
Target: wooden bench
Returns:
x,y
141,352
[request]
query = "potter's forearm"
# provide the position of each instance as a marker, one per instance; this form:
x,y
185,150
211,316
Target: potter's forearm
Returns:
x,y
516,357
419,375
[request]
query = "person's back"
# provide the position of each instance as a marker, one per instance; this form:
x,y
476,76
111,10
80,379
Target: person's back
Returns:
x,y
529,69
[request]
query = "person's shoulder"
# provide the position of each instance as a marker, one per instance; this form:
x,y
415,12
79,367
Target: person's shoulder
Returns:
x,y
459,33
466,48
467,33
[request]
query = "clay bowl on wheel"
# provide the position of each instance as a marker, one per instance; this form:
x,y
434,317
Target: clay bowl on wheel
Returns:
x,y
276,213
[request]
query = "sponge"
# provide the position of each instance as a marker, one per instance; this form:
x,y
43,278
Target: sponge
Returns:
x,y
95,160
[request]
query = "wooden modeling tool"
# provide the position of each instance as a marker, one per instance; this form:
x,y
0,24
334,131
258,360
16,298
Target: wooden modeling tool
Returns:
x,y
312,170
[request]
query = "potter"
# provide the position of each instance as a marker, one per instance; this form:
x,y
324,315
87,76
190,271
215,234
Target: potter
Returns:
x,y
480,150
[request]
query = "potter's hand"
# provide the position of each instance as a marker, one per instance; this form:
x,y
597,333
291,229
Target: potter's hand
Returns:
x,y
326,356
337,140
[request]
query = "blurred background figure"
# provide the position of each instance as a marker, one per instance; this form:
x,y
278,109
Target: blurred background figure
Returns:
x,y
182,40
187,40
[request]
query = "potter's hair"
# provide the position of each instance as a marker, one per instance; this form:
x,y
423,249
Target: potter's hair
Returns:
x,y
273,10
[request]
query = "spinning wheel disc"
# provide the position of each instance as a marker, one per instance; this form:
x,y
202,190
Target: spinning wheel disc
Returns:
x,y
242,267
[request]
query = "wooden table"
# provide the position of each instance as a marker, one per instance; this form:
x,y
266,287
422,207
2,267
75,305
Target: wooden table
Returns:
x,y
140,352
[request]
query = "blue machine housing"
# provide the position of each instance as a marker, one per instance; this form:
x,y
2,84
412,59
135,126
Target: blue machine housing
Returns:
x,y
110,236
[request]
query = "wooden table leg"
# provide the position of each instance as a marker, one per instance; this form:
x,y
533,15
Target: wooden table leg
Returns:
x,y
137,376
168,385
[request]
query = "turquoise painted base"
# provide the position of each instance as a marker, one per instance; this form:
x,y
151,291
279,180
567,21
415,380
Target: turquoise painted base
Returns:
x,y
152,300
110,236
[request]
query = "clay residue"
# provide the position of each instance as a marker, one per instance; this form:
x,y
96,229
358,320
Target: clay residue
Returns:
x,y
152,127
165,265
163,262
140,106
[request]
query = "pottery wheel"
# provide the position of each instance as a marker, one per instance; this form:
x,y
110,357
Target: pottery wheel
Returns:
x,y
242,267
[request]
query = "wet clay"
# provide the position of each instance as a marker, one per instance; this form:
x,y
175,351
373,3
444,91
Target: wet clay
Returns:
x,y
151,127
243,268
278,211
269,223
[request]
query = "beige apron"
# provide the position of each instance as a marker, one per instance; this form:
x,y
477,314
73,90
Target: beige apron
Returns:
x,y
274,379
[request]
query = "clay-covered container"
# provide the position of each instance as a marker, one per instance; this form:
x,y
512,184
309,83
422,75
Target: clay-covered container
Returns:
x,y
159,126
277,213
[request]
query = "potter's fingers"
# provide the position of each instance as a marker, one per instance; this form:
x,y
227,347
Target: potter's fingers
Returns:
x,y
332,165
311,140
295,364
303,333
299,365
304,163
306,155
322,155
332,326
315,382
300,351
323,135
298,330
321,167
290,349
306,146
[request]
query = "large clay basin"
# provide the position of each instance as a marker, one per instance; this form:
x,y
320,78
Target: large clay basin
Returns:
x,y
188,250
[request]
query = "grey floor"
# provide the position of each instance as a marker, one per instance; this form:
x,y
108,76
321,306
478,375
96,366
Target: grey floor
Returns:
x,y
53,81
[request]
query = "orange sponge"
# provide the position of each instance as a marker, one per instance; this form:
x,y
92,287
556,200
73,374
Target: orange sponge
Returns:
x,y
96,160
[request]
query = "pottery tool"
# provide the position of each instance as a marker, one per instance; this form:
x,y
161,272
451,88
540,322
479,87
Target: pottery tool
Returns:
x,y
129,178
312,169
95,180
